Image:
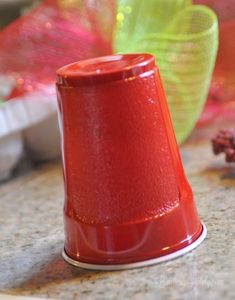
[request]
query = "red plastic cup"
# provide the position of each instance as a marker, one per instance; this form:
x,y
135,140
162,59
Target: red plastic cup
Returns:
x,y
127,201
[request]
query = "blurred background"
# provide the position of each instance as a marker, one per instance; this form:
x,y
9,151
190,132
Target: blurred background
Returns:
x,y
193,45
12,9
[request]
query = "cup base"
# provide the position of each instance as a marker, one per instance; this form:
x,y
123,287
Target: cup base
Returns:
x,y
139,264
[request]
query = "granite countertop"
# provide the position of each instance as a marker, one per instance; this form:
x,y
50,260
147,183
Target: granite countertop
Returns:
x,y
31,241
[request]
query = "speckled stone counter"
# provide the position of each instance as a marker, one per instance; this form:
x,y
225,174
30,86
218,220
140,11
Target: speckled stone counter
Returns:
x,y
31,241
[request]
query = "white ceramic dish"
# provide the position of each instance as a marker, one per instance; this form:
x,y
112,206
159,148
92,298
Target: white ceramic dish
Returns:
x,y
29,122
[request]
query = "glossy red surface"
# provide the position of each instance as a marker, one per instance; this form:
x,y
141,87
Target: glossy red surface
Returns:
x,y
105,69
126,195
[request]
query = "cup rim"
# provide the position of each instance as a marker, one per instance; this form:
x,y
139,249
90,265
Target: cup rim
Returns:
x,y
139,264
105,69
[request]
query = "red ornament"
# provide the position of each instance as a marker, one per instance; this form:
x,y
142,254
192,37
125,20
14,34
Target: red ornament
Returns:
x,y
224,142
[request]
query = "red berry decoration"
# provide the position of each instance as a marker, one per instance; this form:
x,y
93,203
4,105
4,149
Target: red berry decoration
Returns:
x,y
224,142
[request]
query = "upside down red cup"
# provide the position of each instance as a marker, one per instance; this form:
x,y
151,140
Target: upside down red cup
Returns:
x,y
127,200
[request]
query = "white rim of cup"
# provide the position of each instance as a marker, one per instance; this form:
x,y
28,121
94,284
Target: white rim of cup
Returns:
x,y
139,264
